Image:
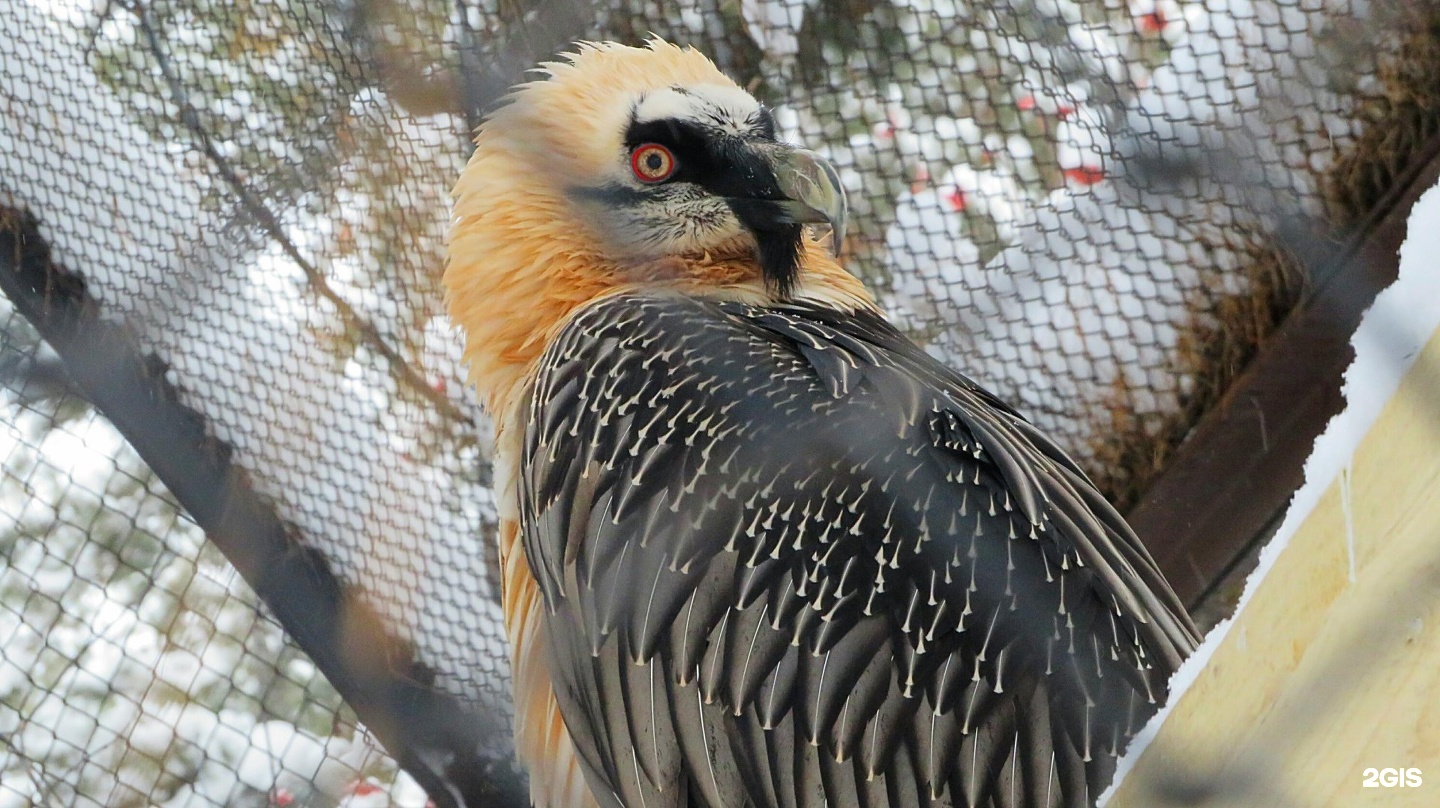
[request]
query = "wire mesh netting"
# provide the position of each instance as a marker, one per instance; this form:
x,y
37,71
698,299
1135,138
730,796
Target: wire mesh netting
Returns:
x,y
134,664
1080,203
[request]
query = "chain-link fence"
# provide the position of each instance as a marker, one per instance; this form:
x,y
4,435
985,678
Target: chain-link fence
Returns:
x,y
1084,204
134,665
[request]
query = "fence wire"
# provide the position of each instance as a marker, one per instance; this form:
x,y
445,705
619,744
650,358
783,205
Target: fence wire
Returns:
x,y
1080,203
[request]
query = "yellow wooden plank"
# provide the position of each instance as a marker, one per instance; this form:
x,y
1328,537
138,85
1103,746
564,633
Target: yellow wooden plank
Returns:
x,y
1323,676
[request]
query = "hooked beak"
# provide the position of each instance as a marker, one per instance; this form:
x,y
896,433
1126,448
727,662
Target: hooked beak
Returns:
x,y
813,194
775,191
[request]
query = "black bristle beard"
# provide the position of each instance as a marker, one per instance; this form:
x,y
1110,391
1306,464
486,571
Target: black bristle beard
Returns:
x,y
780,258
777,241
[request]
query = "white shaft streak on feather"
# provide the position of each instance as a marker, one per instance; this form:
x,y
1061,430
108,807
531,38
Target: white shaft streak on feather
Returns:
x,y
704,740
974,766
643,639
874,742
750,651
639,775
1014,767
820,693
654,721
1050,779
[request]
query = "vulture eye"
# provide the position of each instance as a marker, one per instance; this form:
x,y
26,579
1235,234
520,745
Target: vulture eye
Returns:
x,y
652,162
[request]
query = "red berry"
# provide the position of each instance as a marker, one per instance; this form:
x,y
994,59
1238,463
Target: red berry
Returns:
x,y
1152,23
1085,175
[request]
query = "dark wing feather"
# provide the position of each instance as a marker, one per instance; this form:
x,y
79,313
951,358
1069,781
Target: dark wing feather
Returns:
x,y
790,560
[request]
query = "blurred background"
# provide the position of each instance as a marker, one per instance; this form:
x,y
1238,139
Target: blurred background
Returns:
x,y
221,238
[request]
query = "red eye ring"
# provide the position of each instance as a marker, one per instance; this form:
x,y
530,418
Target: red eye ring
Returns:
x,y
651,162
